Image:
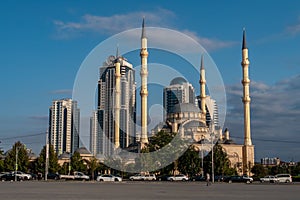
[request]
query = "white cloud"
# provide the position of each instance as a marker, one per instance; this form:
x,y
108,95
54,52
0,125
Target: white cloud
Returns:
x,y
62,91
108,25
208,43
113,24
294,29
275,110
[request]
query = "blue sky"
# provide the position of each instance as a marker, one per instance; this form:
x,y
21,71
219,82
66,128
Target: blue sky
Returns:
x,y
43,44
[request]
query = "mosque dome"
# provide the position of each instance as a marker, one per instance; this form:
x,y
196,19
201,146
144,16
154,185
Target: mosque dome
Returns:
x,y
178,81
185,107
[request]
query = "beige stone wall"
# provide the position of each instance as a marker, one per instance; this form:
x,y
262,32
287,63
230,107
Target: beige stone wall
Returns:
x,y
248,155
235,155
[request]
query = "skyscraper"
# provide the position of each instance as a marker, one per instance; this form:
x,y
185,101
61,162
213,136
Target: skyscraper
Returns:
x,y
113,114
179,91
64,125
94,127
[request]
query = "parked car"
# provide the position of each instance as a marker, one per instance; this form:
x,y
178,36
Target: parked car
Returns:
x,y
53,176
136,177
108,177
3,173
269,179
11,177
75,176
179,177
140,177
34,176
162,177
284,178
239,179
24,175
198,178
149,177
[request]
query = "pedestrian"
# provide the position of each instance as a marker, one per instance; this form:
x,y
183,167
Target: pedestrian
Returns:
x,y
207,179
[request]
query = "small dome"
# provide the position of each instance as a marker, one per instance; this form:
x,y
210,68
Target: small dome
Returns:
x,y
65,155
82,150
185,107
178,81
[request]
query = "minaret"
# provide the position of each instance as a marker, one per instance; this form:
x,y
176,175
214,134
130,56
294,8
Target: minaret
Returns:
x,y
144,90
246,95
202,82
117,99
248,148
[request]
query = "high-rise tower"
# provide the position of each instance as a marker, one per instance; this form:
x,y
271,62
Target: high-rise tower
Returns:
x,y
94,147
116,113
144,90
179,91
64,126
248,148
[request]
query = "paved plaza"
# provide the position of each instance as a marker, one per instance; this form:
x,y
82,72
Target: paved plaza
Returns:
x,y
35,190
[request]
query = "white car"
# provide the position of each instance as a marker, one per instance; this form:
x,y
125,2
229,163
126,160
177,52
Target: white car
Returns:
x,y
108,177
139,177
22,174
136,177
179,177
284,178
149,177
269,178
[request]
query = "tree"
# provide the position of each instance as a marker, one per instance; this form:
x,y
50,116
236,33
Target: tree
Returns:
x,y
189,163
77,164
221,162
159,140
23,160
278,169
259,170
173,147
64,169
296,170
53,166
93,164
1,160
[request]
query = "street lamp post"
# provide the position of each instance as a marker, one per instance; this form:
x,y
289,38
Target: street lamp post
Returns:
x,y
212,151
47,156
202,159
16,164
202,140
212,159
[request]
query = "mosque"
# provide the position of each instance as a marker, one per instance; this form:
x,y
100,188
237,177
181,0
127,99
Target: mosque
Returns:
x,y
188,119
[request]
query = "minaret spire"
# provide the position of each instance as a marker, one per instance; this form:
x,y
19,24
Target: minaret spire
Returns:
x,y
244,46
202,62
202,82
117,52
246,94
143,29
144,89
248,148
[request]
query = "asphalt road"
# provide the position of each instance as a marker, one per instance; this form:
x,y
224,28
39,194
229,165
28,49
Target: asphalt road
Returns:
x,y
35,190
